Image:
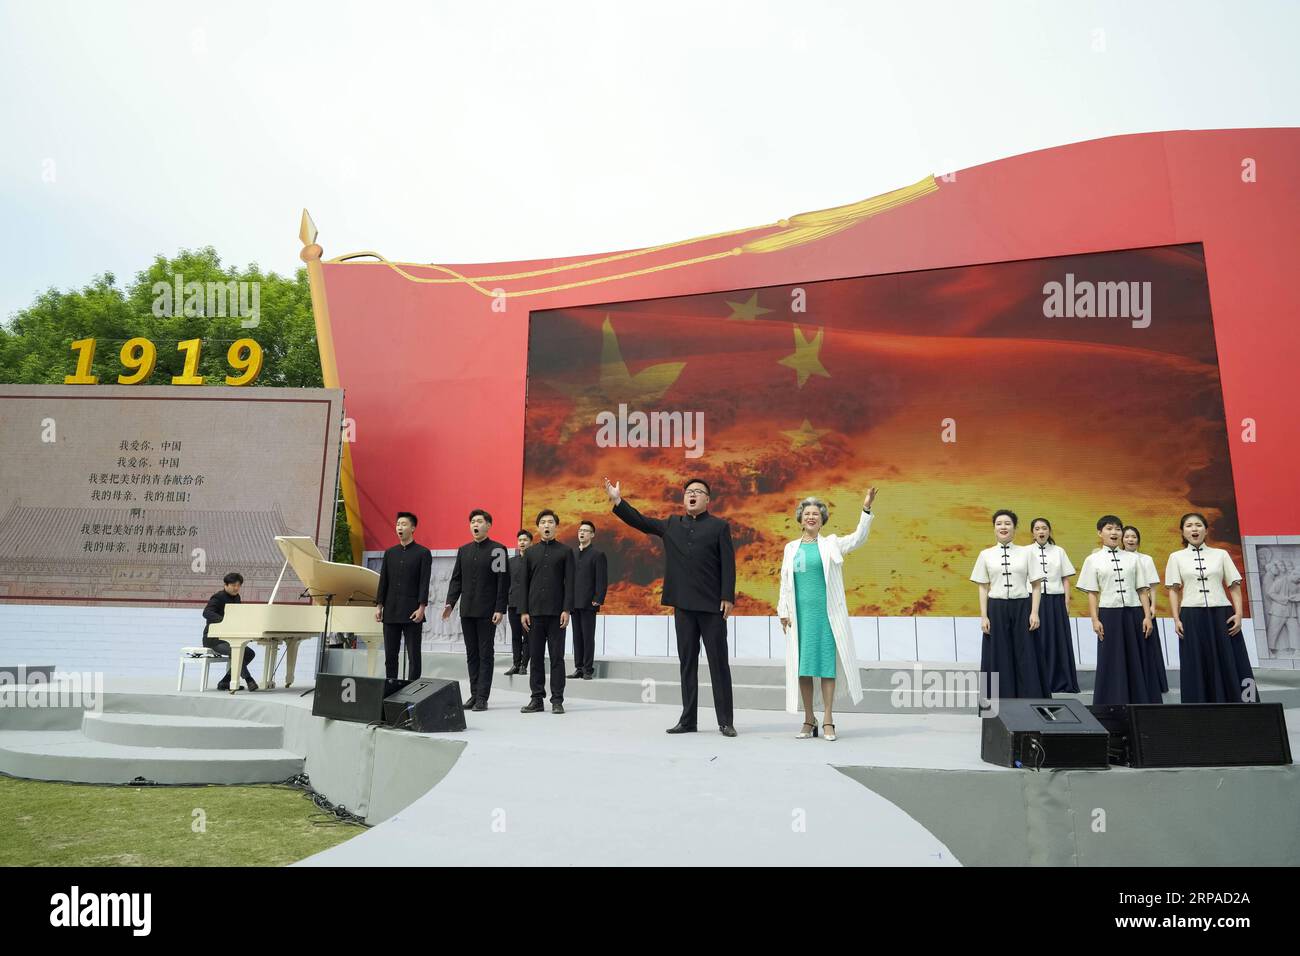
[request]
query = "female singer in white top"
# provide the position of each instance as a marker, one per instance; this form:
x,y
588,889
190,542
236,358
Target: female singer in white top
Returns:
x,y
1204,586
794,600
1055,634
1117,604
1010,586
1149,577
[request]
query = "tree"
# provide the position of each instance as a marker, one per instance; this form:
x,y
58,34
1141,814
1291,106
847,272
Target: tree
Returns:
x,y
36,345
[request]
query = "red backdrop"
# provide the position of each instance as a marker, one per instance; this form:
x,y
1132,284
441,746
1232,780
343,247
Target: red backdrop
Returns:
x,y
434,371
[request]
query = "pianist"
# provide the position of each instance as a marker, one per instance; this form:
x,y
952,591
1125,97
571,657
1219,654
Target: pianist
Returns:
x,y
215,613
402,595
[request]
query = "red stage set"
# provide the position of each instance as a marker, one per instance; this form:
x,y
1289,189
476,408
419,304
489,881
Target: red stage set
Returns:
x,y
434,358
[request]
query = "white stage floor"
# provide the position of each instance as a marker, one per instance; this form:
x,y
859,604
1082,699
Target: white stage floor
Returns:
x,y
603,785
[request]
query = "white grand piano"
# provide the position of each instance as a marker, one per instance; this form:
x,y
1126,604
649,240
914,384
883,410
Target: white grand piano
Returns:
x,y
352,608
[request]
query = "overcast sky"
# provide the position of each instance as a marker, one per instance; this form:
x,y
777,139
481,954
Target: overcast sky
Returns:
x,y
484,131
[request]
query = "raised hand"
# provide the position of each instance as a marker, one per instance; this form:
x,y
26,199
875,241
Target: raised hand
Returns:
x,y
613,491
871,496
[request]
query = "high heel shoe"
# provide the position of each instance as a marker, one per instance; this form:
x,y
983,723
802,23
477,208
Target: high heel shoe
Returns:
x,y
829,734
803,734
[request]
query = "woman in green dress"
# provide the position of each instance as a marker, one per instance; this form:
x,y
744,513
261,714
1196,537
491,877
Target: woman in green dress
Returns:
x,y
812,603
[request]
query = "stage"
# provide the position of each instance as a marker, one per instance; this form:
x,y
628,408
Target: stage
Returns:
x,y
603,785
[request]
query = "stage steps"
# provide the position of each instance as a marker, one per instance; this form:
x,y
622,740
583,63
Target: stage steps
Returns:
x,y
200,733
760,685
116,747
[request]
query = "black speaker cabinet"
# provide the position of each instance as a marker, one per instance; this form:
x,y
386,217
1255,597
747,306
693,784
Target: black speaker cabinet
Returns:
x,y
428,705
1043,734
1208,735
348,697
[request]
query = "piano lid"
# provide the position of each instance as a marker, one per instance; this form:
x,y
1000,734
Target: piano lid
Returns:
x,y
348,583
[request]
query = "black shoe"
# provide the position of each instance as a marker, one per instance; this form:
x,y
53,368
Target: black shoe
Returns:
x,y
479,705
250,684
588,676
557,708
468,703
679,729
534,707
223,684
576,675
514,669
727,731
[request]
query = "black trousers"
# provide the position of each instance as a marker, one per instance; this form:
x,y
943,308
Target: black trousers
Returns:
x,y
479,633
546,637
223,648
393,635
709,627
518,638
584,640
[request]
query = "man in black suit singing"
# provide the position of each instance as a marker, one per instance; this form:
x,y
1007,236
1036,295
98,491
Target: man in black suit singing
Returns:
x,y
700,586
480,580
590,581
515,604
402,595
548,584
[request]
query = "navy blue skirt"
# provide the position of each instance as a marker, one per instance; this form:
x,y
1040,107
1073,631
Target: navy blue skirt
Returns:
x,y
1121,674
1054,637
1012,652
1153,655
1215,668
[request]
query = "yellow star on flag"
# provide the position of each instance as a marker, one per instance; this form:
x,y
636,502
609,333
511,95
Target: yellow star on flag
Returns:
x,y
747,311
615,385
806,360
805,436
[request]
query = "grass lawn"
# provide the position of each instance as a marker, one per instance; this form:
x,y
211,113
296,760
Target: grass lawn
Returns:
x,y
70,824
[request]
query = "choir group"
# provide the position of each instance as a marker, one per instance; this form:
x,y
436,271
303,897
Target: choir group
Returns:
x,y
1027,649
1024,611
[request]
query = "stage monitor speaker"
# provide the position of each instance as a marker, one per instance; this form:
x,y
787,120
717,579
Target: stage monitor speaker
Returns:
x,y
1041,734
1208,735
349,697
1114,717
428,705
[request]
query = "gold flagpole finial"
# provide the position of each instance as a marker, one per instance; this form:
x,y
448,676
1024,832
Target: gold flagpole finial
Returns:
x,y
307,233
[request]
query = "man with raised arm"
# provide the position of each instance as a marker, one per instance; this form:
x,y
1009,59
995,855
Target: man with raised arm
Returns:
x,y
700,587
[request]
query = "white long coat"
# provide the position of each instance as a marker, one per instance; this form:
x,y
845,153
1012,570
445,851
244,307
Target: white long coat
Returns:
x,y
833,548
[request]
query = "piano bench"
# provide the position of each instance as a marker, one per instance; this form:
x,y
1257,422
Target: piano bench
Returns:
x,y
203,655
